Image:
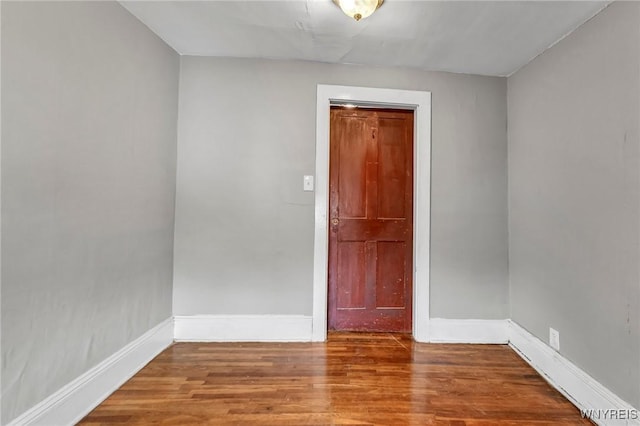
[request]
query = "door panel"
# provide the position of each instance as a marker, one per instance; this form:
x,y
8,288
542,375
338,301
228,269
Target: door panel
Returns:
x,y
352,168
391,169
351,268
371,220
390,289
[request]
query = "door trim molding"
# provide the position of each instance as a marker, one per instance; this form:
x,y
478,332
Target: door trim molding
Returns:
x,y
420,102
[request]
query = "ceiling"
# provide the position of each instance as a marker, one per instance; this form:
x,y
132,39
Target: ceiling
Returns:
x,y
475,37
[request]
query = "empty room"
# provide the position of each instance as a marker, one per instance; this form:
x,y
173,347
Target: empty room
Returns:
x,y
320,212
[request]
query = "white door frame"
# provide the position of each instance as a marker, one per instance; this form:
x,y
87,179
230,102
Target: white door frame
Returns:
x,y
420,102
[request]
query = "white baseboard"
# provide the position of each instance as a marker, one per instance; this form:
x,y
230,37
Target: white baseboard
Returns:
x,y
582,390
71,403
243,328
468,331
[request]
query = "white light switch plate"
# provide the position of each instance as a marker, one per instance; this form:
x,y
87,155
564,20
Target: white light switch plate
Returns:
x,y
308,183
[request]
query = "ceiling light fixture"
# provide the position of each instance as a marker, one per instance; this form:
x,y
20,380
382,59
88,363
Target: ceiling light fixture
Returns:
x,y
358,9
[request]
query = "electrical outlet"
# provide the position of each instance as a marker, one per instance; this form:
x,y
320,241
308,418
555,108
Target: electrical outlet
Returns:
x,y
554,339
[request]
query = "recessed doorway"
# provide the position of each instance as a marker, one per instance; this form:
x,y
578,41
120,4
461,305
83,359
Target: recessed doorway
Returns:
x,y
420,103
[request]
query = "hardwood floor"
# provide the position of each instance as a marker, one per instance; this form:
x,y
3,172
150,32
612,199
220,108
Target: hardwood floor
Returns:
x,y
353,379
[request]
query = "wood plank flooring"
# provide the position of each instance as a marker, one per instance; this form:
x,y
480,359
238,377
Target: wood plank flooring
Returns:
x,y
353,379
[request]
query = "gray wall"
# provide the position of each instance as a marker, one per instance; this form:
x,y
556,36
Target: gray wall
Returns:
x,y
574,229
244,227
89,111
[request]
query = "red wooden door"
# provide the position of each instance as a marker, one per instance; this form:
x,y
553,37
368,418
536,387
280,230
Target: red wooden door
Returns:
x,y
371,220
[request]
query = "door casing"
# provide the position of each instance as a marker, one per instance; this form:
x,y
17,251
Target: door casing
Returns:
x,y
420,103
